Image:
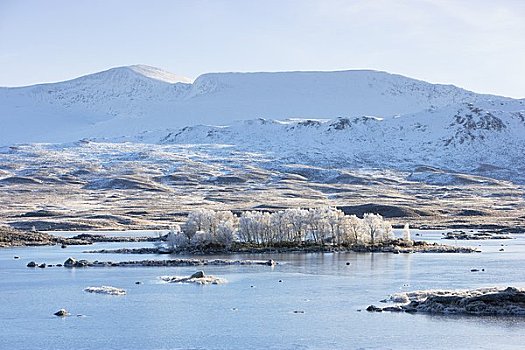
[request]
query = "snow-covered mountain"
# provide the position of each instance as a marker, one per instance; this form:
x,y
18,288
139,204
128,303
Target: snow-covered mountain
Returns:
x,y
130,100
343,119
485,138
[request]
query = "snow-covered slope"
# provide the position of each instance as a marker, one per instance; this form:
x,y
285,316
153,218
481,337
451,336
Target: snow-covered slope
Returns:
x,y
159,74
484,138
130,100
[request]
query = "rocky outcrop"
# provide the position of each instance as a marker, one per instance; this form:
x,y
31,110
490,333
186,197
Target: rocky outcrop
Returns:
x,y
73,263
395,246
462,235
10,237
92,238
508,301
197,278
399,246
126,251
105,290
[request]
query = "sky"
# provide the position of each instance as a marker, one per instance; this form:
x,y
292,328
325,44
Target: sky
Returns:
x,y
475,44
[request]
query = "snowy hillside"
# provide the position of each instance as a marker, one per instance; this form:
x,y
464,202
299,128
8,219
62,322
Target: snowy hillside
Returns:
x,y
486,139
129,100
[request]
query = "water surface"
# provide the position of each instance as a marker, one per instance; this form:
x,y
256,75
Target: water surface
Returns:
x,y
254,310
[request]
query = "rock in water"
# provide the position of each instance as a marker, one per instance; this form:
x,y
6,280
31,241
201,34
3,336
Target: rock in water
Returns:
x,y
70,262
495,301
198,274
31,264
373,308
198,278
105,290
271,263
61,313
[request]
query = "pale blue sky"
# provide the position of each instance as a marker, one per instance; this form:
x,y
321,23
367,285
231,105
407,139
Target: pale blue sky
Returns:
x,y
477,44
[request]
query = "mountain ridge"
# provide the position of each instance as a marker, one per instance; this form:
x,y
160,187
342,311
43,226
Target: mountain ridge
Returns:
x,y
129,100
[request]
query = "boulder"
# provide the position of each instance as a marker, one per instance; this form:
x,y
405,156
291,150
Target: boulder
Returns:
x,y
373,308
61,313
198,274
31,264
70,262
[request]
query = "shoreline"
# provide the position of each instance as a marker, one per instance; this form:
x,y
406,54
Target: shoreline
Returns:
x,y
10,237
394,247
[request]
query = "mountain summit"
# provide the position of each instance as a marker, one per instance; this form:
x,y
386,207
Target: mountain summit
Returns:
x,y
158,74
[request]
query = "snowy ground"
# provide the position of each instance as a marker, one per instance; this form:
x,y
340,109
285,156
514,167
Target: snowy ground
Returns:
x,y
90,185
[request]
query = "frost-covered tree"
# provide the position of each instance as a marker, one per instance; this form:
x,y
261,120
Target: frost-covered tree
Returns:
x,y
225,233
281,226
376,229
189,229
205,226
319,225
335,220
353,230
255,227
174,239
298,219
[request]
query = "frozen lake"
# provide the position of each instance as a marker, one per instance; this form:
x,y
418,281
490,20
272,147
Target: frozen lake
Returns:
x,y
254,310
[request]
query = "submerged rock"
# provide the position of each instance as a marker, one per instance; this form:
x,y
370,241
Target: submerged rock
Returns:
x,y
62,313
198,278
495,301
105,290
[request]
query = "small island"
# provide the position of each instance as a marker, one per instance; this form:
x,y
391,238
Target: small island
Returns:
x,y
494,301
324,229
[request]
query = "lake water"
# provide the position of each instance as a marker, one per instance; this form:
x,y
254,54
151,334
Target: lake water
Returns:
x,y
254,310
